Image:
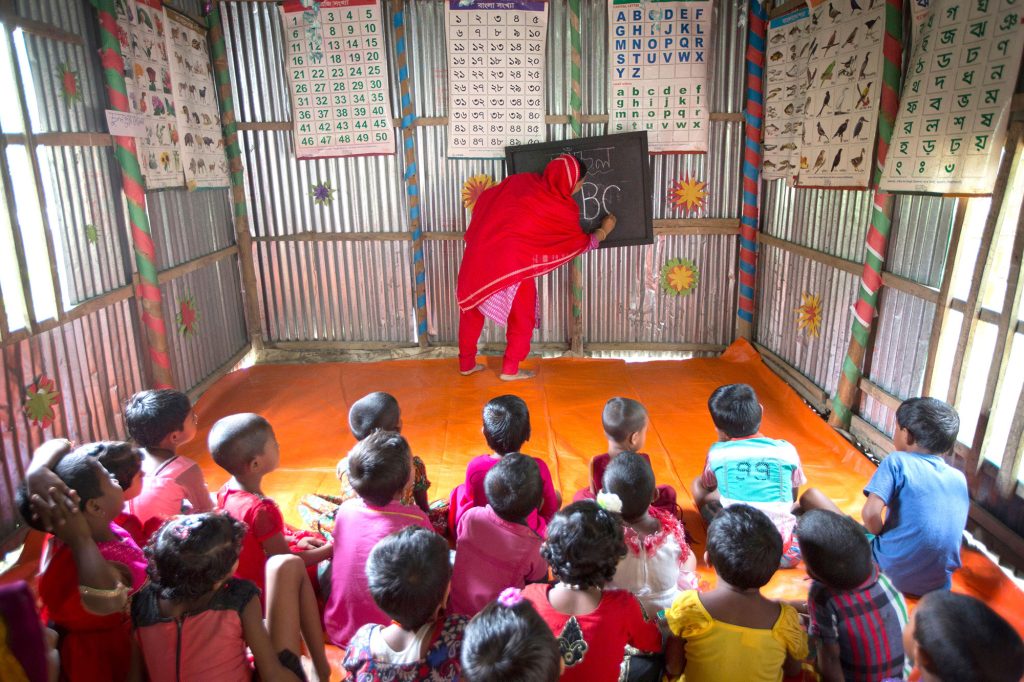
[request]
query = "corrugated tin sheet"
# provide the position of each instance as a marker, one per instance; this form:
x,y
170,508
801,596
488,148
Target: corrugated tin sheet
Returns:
x,y
187,225
41,62
220,330
781,280
337,291
81,188
921,231
832,221
625,302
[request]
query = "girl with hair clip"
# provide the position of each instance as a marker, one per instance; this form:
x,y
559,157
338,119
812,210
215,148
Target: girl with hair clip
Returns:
x,y
194,621
509,642
593,624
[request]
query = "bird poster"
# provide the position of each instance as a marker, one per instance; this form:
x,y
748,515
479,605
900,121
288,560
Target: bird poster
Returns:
x,y
953,113
843,77
148,81
658,72
788,43
203,156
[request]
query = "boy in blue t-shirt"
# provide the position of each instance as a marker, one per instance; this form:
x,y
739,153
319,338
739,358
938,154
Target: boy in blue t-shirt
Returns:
x,y
926,500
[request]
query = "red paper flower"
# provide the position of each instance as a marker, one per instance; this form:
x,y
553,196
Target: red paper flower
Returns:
x,y
40,398
187,317
69,89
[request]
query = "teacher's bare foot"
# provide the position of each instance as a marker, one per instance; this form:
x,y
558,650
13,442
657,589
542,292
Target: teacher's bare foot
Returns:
x,y
521,374
466,373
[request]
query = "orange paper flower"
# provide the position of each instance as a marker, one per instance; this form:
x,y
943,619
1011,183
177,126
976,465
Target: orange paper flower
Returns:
x,y
474,187
809,314
688,193
679,276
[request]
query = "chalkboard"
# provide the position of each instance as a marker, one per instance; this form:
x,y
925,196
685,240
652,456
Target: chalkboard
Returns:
x,y
618,181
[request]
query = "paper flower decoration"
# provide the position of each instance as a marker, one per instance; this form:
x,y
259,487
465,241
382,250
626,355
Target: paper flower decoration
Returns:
x,y
187,317
40,397
474,187
679,276
687,193
69,89
322,193
809,314
92,234
609,502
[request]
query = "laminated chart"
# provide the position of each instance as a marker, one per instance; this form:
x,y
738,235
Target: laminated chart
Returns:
x,y
843,77
336,62
140,30
495,76
786,56
955,104
202,138
658,60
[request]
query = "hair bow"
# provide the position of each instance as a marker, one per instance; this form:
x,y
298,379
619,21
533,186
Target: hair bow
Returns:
x,y
510,596
609,502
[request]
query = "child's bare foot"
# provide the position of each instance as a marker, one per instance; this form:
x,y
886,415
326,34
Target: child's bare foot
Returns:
x,y
466,373
521,374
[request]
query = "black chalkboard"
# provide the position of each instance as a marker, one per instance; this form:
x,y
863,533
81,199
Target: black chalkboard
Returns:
x,y
618,181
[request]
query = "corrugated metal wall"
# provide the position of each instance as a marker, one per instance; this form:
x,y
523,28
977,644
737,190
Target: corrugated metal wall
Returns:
x,y
317,290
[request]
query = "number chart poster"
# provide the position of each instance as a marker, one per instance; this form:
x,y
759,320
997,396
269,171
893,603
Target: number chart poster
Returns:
x,y
337,70
953,114
659,51
495,76
202,155
140,29
788,42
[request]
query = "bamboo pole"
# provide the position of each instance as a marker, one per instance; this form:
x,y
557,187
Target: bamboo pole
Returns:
x,y
576,125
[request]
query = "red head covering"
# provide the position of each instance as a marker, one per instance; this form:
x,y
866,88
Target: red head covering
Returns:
x,y
524,227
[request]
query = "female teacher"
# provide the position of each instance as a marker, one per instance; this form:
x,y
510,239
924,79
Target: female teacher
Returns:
x,y
522,228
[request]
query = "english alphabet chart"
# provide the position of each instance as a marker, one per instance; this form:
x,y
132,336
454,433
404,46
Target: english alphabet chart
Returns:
x,y
953,113
658,58
788,42
496,53
336,62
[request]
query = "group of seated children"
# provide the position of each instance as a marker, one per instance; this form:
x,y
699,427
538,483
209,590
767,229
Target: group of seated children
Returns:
x,y
602,589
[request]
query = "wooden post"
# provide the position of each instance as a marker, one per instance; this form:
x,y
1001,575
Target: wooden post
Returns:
x,y
945,289
575,123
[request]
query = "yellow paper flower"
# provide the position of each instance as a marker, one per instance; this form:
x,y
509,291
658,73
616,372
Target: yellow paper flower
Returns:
x,y
687,193
809,314
679,276
474,187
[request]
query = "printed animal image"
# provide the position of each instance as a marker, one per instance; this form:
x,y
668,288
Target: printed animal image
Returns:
x,y
189,140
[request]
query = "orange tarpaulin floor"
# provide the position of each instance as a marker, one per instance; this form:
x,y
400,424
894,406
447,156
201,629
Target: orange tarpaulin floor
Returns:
x,y
308,407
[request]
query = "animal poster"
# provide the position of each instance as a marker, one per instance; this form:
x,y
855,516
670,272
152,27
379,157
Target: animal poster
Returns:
x,y
495,75
202,138
843,77
955,105
336,61
149,82
788,43
659,52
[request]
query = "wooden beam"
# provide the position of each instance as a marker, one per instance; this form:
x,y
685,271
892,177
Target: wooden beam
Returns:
x,y
63,139
811,254
655,347
810,391
1006,480
945,298
879,394
785,8
81,310
990,524
11,204
911,287
195,264
40,28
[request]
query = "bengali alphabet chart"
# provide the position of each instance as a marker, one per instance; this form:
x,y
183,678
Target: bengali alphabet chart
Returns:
x,y
336,62
788,43
843,80
953,114
659,52
496,53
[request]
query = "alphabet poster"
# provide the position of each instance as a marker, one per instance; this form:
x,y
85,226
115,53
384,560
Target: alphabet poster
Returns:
x,y
953,113
337,69
843,77
785,82
140,30
202,152
495,75
658,57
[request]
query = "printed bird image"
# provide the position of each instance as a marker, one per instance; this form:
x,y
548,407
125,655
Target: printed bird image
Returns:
x,y
835,161
819,162
832,42
807,104
803,50
777,38
772,129
785,165
822,134
871,4
841,131
858,160
864,67
773,93
811,75
770,147
846,68
859,127
788,147
794,70
789,109
814,46
864,101
854,6
840,107
853,36
769,164
826,75
794,31
824,102
790,90
803,163
871,23
833,13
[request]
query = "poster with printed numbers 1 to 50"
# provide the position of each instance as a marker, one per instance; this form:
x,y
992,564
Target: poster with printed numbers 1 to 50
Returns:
x,y
495,76
336,61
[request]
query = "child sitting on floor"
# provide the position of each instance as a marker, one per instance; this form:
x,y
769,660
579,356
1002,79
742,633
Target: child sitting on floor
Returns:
x,y
956,638
746,467
244,445
123,461
408,574
658,562
380,468
593,624
160,422
509,642
506,427
495,548
625,425
194,621
857,616
733,632
89,568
